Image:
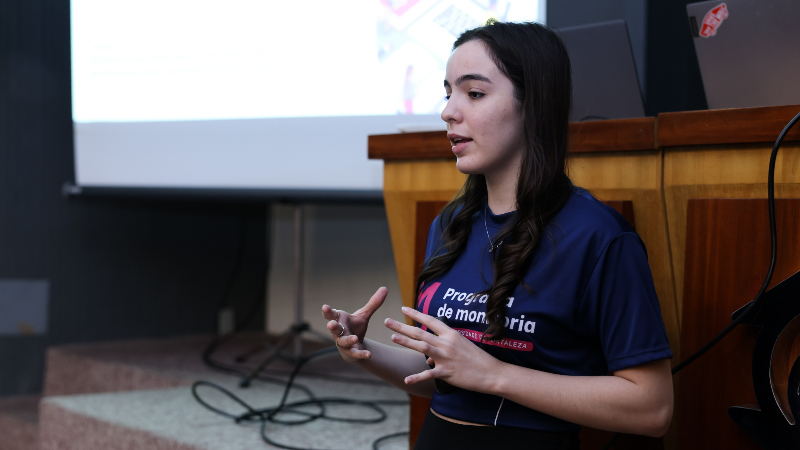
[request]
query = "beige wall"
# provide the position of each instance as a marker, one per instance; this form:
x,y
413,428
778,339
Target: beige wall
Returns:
x,y
348,255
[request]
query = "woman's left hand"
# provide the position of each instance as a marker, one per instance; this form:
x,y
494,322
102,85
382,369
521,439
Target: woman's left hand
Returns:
x,y
458,361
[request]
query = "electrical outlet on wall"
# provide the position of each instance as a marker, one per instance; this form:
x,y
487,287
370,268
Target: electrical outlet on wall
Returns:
x,y
23,306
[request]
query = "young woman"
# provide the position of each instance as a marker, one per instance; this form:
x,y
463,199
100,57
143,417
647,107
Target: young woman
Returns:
x,y
553,318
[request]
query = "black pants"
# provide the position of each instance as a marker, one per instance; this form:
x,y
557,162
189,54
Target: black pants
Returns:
x,y
440,434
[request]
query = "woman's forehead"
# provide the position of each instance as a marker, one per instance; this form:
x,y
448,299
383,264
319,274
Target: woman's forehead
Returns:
x,y
470,57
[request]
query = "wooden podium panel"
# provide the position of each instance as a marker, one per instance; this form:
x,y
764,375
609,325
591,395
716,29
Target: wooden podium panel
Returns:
x,y
720,172
726,126
727,258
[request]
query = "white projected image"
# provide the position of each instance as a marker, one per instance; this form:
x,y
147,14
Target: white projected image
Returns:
x,y
259,94
177,60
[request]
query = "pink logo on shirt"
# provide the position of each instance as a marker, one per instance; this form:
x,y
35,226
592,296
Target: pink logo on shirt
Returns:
x,y
512,344
424,299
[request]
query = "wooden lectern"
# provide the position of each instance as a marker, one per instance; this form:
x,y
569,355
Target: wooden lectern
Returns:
x,y
693,184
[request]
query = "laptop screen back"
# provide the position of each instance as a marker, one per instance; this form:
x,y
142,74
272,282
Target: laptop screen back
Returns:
x,y
748,51
604,80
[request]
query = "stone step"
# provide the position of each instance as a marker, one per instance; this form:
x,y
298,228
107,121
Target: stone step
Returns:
x,y
132,395
164,363
19,421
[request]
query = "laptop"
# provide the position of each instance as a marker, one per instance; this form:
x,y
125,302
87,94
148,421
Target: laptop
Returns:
x,y
604,80
748,50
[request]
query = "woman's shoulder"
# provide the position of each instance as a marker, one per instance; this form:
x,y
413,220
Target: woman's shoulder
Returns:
x,y
586,214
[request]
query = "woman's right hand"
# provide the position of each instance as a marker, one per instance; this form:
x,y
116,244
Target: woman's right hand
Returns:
x,y
350,335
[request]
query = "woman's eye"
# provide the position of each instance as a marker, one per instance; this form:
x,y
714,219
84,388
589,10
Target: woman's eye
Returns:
x,y
447,97
475,95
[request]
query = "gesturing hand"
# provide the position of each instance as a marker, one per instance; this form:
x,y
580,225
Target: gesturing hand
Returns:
x,y
351,341
458,361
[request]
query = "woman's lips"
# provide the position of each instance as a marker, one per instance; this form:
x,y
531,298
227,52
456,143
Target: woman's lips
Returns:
x,y
459,143
458,148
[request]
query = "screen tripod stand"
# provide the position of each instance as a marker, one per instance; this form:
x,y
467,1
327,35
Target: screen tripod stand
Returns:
x,y
294,334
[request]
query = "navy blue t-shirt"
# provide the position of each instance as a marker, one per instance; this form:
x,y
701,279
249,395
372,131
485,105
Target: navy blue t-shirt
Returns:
x,y
594,307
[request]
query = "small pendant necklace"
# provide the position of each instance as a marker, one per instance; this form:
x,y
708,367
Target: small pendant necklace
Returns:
x,y
492,247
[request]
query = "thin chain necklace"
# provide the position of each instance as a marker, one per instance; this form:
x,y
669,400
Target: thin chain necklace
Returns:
x,y
492,247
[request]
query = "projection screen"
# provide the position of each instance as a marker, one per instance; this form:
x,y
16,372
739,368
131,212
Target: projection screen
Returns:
x,y
257,94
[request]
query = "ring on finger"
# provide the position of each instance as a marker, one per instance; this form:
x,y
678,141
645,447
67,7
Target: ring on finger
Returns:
x,y
342,328
337,315
337,341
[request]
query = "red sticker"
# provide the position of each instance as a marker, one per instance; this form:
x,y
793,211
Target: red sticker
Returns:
x,y
713,20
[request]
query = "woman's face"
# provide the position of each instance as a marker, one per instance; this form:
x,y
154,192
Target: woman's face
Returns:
x,y
484,120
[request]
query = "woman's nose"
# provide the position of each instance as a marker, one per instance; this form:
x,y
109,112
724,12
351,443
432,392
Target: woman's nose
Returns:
x,y
450,112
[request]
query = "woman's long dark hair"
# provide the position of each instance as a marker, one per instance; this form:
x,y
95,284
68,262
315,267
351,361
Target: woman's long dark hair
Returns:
x,y
535,59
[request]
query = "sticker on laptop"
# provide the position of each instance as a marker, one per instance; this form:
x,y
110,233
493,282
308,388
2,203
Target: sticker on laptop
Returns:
x,y
713,20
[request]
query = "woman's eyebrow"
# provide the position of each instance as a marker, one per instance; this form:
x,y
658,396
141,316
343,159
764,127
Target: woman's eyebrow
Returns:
x,y
469,76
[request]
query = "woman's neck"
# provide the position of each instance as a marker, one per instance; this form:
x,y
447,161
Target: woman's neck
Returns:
x,y
502,193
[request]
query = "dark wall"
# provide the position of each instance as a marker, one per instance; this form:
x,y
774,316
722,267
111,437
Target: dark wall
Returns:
x,y
661,41
118,268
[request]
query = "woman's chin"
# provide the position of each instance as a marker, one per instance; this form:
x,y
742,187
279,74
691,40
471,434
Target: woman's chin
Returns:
x,y
463,165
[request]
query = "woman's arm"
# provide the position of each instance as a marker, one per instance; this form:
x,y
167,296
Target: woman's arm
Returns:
x,y
636,400
392,364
